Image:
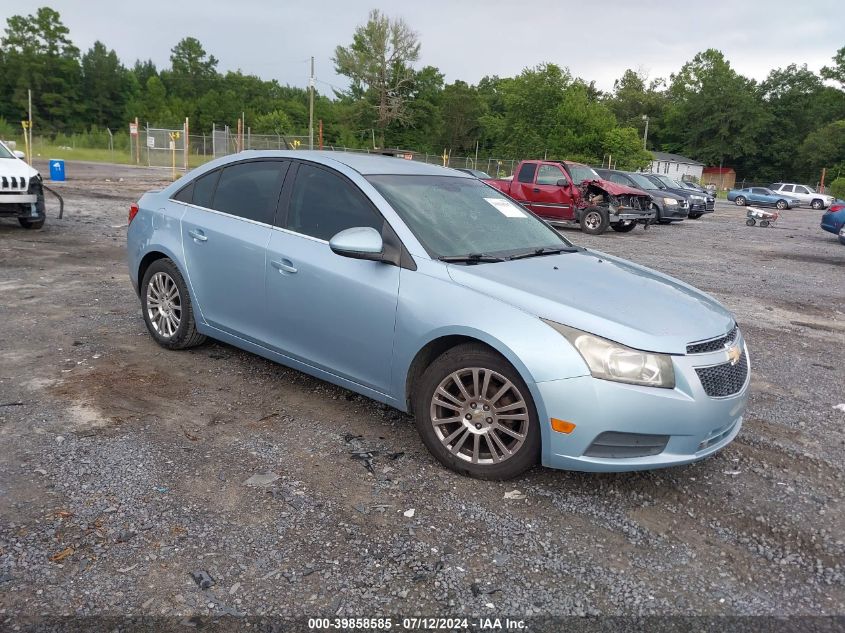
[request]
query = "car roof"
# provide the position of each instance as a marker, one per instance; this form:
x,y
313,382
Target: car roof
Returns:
x,y
364,164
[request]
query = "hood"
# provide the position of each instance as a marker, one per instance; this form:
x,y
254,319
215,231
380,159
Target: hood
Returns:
x,y
615,189
604,295
15,167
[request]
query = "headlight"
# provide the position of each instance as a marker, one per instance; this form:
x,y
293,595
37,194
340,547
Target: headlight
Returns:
x,y
612,361
669,201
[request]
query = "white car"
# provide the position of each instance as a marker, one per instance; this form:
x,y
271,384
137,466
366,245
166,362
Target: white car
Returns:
x,y
807,195
21,191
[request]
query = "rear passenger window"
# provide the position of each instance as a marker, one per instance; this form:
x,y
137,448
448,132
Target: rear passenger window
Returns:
x,y
204,189
526,172
186,194
322,204
250,190
785,188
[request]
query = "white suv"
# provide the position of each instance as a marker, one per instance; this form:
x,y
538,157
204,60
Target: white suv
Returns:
x,y
806,195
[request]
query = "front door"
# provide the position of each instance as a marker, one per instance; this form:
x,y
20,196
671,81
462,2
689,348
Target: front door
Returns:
x,y
550,200
331,312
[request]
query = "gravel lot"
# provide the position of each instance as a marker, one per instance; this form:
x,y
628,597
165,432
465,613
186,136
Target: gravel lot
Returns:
x,y
123,466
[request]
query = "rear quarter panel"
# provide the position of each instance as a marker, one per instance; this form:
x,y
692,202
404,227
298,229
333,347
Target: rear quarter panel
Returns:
x,y
155,228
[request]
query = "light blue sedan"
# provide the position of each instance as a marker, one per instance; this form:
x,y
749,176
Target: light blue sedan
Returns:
x,y
763,197
426,289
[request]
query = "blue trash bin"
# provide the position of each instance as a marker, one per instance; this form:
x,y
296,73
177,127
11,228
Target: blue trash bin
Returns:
x,y
57,169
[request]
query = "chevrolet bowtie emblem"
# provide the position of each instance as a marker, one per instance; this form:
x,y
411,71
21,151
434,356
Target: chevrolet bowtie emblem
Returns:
x,y
734,354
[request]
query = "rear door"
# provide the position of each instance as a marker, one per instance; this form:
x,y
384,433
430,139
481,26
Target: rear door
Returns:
x,y
550,200
225,231
332,312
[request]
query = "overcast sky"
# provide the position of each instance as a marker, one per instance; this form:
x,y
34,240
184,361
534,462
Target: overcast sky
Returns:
x,y
465,39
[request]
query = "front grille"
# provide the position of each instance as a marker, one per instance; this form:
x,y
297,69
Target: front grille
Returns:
x,y
713,345
723,380
611,444
10,183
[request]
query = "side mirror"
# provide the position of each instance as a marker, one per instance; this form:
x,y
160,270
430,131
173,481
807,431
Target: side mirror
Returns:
x,y
360,242
20,154
562,182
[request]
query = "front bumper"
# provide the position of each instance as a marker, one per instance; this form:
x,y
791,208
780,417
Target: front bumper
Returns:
x,y
18,198
674,212
693,424
625,213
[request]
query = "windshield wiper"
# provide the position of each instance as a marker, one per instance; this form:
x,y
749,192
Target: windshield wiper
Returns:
x,y
539,252
471,258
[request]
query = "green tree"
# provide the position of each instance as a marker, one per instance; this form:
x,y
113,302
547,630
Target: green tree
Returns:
x,y
193,71
714,113
625,148
824,147
379,63
39,55
463,108
836,72
105,87
634,97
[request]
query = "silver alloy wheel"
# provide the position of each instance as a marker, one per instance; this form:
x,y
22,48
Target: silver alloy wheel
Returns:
x,y
164,304
479,416
817,204
593,220
740,202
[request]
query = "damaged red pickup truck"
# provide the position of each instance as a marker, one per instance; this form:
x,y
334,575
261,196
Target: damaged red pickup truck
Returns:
x,y
567,192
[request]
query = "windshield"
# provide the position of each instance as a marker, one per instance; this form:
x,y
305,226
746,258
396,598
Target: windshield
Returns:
x,y
642,182
460,216
4,152
580,173
672,184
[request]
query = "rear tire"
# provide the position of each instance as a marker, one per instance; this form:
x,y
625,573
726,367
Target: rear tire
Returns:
x,y
594,221
750,222
782,204
167,308
764,223
625,226
467,443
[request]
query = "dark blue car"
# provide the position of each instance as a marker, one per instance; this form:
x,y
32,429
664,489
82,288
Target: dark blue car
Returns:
x,y
833,220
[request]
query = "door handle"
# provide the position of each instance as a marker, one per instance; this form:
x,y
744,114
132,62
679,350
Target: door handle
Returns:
x,y
198,235
536,190
283,266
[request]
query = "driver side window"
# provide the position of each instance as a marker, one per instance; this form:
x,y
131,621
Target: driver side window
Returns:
x,y
322,204
548,175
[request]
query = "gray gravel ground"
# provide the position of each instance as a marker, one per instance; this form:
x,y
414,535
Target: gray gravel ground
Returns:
x,y
122,465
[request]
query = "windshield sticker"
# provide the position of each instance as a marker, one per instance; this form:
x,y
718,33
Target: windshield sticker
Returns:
x,y
506,208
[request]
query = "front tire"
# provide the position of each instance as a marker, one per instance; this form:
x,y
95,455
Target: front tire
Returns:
x,y
625,226
817,204
740,201
750,222
475,414
781,204
694,216
167,309
594,221
31,224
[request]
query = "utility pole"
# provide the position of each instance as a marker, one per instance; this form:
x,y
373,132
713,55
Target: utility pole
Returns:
x,y
311,108
645,134
29,131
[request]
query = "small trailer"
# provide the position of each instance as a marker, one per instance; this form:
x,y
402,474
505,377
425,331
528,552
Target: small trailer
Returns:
x,y
766,218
